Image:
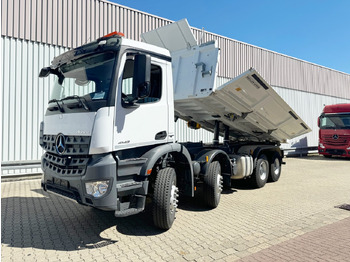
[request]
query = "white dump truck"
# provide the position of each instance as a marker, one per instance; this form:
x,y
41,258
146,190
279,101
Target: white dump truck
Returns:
x,y
108,132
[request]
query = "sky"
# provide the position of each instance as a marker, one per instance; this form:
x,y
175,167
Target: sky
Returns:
x,y
316,31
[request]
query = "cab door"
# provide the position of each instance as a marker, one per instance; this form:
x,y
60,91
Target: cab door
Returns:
x,y
144,120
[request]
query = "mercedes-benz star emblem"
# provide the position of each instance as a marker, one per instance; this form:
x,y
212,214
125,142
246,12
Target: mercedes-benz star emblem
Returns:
x,y
335,137
60,144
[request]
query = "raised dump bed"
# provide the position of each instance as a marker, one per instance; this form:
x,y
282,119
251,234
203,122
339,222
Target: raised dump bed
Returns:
x,y
247,104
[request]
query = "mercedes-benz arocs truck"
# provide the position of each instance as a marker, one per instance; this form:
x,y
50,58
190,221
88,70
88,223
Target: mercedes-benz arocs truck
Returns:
x,y
108,132
334,132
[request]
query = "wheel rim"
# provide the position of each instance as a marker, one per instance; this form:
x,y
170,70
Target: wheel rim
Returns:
x,y
263,170
276,167
173,199
219,180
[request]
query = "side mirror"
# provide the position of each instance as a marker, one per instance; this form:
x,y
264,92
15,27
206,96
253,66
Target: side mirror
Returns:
x,y
142,76
318,121
45,72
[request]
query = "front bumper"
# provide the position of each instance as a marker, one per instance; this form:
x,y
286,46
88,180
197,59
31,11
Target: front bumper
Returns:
x,y
335,151
126,192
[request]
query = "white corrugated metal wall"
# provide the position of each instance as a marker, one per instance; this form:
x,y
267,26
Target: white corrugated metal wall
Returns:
x,y
70,23
34,31
24,100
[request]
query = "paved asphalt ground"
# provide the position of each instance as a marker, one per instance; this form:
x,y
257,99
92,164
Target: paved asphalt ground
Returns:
x,y
294,219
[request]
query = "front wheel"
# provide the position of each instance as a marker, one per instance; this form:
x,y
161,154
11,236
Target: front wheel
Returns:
x,y
165,198
261,172
213,185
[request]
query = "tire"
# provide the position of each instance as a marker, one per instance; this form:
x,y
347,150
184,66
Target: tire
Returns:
x,y
261,172
327,156
213,185
275,168
165,198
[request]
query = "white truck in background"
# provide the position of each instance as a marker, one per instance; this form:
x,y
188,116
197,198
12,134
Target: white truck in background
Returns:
x,y
108,132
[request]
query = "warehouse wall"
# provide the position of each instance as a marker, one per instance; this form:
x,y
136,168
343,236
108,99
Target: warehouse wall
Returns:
x,y
34,31
70,23
24,99
278,69
25,96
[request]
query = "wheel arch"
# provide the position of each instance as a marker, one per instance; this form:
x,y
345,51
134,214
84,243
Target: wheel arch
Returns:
x,y
209,156
270,153
183,166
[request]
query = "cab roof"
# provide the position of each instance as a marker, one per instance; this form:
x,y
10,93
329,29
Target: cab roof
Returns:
x,y
336,109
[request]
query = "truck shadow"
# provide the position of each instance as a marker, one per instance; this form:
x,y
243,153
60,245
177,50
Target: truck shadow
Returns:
x,y
50,222
54,223
197,203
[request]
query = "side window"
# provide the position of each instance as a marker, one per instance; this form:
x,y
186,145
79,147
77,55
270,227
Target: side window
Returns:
x,y
156,83
127,79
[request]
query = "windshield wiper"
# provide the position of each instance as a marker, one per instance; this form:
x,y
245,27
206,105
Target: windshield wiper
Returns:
x,y
58,104
80,99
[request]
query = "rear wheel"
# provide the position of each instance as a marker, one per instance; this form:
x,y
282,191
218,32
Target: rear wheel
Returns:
x,y
165,198
275,168
213,185
261,172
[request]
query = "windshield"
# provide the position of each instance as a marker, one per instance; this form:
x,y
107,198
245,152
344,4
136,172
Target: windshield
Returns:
x,y
88,77
336,121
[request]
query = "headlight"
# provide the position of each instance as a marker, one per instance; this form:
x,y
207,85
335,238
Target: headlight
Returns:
x,y
321,145
97,188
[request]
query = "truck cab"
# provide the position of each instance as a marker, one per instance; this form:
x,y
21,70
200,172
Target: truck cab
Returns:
x,y
334,132
108,96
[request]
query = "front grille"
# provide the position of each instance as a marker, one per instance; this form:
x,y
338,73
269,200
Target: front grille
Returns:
x,y
342,140
74,159
65,165
74,145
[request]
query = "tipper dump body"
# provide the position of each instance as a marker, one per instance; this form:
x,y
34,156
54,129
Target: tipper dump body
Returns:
x,y
249,107
247,104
